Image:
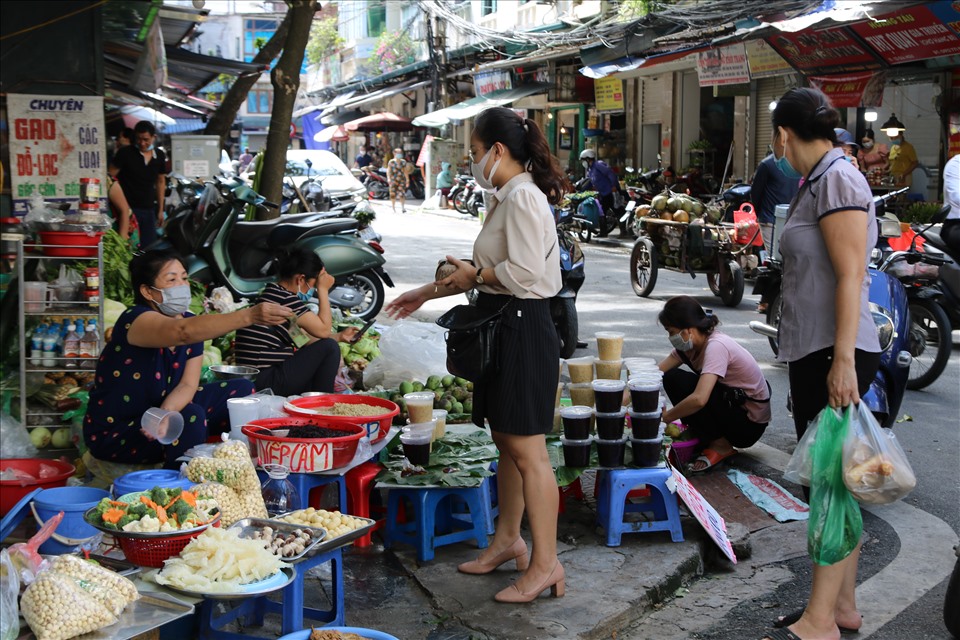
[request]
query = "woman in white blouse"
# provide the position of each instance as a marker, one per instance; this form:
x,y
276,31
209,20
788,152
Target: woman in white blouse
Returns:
x,y
516,264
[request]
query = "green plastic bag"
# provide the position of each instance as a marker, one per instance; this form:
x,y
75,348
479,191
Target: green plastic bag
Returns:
x,y
835,524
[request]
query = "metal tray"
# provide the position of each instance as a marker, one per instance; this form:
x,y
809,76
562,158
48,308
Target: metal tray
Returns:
x,y
260,588
248,526
151,611
124,568
329,544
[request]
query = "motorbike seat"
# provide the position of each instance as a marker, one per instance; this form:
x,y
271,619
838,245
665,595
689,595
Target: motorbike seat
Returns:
x,y
287,234
932,235
247,232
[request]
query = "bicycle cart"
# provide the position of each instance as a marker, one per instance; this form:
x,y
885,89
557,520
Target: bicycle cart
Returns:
x,y
693,248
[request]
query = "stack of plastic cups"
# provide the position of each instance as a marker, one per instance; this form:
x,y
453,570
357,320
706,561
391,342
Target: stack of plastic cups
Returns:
x,y
638,365
576,438
416,439
646,408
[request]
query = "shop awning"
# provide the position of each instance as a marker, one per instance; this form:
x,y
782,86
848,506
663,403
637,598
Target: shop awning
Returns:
x,y
185,125
470,108
382,94
630,63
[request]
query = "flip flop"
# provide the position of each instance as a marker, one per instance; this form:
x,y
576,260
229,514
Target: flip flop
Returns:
x,y
711,458
790,618
782,634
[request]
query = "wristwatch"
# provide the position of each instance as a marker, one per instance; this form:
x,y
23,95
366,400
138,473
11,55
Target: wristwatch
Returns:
x,y
479,278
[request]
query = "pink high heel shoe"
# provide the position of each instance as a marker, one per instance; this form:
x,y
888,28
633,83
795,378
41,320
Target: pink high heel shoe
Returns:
x,y
555,581
517,551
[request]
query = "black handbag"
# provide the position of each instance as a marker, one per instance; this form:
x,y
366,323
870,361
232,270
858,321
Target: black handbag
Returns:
x,y
472,338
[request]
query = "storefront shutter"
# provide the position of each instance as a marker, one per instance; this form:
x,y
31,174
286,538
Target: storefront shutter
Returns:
x,y
768,89
652,100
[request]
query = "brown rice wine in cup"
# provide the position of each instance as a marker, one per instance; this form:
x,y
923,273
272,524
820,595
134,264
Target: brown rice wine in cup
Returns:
x,y
582,394
580,369
609,369
420,406
609,345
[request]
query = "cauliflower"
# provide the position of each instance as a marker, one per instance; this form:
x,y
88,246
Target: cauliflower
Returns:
x,y
146,524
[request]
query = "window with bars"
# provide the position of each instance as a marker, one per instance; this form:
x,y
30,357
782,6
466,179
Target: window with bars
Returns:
x,y
488,7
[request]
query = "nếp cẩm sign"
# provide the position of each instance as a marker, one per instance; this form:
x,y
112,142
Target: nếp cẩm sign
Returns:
x,y
54,141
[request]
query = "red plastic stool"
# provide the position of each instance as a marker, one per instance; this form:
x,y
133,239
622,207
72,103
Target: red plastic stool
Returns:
x,y
574,489
359,486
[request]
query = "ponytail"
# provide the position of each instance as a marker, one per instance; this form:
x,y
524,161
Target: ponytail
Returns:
x,y
527,144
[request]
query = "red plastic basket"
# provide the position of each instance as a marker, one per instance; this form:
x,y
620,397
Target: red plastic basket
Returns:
x,y
303,455
11,490
377,426
75,242
681,452
151,552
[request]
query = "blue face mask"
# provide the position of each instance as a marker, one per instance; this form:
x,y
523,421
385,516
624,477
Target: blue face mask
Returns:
x,y
310,294
784,165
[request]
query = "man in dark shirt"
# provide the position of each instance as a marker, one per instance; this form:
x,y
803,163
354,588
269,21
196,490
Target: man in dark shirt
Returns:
x,y
768,189
363,158
140,169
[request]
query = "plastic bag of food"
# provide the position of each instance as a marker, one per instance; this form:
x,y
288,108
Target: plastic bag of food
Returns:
x,y
875,467
57,608
835,524
409,350
14,439
9,590
800,467
79,569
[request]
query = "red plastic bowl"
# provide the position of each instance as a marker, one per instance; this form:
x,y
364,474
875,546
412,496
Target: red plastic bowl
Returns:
x,y
11,490
75,242
376,426
303,455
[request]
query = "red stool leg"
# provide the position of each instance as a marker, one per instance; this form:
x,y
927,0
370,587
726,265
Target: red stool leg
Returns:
x,y
359,486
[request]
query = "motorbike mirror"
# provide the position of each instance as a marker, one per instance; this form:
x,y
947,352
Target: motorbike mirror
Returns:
x,y
941,215
308,162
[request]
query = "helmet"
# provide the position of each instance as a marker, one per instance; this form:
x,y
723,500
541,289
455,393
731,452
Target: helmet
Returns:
x,y
588,154
845,137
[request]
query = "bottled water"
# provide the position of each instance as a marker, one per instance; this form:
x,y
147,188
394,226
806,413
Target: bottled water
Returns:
x,y
279,494
71,346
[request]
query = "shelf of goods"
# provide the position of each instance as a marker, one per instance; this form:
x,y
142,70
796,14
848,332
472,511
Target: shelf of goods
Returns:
x,y
49,368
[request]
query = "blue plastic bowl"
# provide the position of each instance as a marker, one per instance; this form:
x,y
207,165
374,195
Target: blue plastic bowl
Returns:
x,y
148,479
366,633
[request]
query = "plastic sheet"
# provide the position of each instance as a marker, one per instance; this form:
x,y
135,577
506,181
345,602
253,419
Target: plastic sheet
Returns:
x,y
14,439
409,350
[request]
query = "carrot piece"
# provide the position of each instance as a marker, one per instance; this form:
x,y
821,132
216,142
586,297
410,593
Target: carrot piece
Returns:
x,y
170,504
189,498
113,515
161,513
122,505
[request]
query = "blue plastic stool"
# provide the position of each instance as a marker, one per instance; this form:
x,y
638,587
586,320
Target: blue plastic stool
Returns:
x,y
292,609
431,521
612,504
304,483
489,500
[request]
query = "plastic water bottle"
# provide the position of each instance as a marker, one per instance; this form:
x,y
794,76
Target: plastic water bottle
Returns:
x,y
36,345
279,494
50,346
71,346
90,344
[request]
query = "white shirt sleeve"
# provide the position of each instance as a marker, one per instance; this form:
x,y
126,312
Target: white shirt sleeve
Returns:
x,y
951,187
526,258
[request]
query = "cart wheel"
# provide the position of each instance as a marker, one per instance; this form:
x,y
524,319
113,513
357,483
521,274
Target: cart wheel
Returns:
x,y
643,267
731,290
714,283
774,310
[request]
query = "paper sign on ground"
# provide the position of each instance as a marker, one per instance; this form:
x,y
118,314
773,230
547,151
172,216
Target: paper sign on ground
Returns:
x,y
705,514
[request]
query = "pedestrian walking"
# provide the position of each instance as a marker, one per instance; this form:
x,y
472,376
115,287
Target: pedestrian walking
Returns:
x,y
141,171
398,179
827,334
515,270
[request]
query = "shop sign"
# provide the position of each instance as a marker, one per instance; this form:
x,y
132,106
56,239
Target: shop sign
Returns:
x,y
711,521
54,141
489,81
825,51
608,95
723,65
914,34
764,61
852,90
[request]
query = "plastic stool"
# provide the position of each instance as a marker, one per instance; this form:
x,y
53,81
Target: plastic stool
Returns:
x,y
611,505
291,609
432,512
490,508
305,483
574,489
359,486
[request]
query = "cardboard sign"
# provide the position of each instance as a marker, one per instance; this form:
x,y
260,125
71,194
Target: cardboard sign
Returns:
x,y
723,65
54,141
913,34
712,522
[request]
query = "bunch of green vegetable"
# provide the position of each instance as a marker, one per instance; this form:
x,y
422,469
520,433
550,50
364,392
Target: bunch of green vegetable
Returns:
x,y
457,460
174,507
359,354
115,278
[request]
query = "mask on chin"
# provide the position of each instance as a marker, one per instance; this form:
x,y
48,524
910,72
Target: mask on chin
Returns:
x,y
784,165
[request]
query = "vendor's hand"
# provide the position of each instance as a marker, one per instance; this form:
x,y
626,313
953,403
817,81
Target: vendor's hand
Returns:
x,y
406,304
462,279
347,334
270,313
842,385
147,435
325,281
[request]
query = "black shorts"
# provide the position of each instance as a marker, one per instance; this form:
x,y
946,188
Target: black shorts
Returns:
x,y
519,397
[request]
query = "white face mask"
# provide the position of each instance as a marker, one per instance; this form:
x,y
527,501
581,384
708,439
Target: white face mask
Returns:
x,y
175,300
867,145
586,165
678,343
485,182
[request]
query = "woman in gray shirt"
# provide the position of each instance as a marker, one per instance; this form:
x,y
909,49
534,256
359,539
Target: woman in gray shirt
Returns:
x,y
827,335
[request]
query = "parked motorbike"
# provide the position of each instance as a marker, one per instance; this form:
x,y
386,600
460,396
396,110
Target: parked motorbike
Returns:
x,y
563,306
416,190
931,303
222,251
890,309
377,185
461,184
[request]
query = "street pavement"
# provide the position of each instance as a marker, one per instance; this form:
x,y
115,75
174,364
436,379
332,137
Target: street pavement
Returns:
x,y
649,587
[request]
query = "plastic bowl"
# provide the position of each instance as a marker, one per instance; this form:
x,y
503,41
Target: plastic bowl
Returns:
x,y
230,372
372,634
303,455
70,244
376,426
11,490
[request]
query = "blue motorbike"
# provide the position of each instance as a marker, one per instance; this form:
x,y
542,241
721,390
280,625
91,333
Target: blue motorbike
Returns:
x,y
563,306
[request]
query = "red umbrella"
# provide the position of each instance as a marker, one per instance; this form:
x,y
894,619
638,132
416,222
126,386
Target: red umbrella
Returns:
x,y
332,134
380,122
